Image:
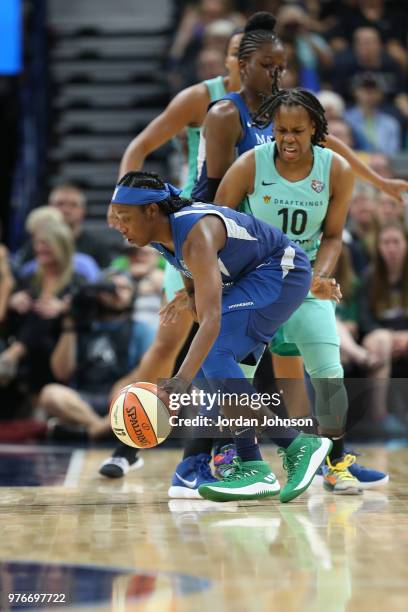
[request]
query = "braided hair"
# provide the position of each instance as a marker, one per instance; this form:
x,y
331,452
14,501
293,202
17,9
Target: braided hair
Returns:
x,y
293,97
259,29
150,180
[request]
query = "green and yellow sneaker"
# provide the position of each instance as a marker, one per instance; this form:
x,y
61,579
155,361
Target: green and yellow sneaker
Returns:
x,y
301,460
247,480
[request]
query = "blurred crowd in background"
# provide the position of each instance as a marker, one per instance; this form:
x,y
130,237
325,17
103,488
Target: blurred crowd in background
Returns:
x,y
354,52
77,310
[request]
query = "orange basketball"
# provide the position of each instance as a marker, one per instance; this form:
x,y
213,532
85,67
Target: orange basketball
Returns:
x,y
140,416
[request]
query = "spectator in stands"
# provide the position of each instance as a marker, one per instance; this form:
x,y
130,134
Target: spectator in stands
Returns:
x,y
312,50
367,55
72,203
380,163
210,64
369,359
385,296
296,75
217,35
206,59
376,14
36,307
94,351
333,104
84,265
335,108
384,304
149,278
44,215
195,21
341,130
362,226
381,130
324,15
142,264
347,316
389,211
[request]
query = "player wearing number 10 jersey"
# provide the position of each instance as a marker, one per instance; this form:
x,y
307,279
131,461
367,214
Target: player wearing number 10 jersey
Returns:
x,y
304,189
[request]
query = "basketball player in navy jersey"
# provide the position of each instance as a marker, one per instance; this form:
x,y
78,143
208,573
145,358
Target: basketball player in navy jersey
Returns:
x,y
244,278
187,111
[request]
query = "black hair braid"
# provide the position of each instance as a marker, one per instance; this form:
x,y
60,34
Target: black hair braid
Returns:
x,y
294,97
258,30
146,180
150,180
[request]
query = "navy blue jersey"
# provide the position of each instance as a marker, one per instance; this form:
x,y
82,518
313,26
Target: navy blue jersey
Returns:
x,y
250,242
251,136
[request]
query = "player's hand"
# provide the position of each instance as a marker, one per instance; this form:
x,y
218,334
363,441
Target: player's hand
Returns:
x,y
175,385
395,188
170,312
326,289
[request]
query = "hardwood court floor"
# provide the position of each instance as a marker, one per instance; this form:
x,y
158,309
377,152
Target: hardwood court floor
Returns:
x,y
122,545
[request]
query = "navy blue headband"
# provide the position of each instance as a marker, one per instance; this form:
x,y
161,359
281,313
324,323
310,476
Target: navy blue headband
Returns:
x,y
136,196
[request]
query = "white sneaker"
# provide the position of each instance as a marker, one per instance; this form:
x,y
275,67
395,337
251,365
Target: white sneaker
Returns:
x,y
116,467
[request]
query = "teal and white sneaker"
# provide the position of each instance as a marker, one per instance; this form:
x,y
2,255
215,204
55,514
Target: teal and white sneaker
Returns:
x,y
301,460
248,480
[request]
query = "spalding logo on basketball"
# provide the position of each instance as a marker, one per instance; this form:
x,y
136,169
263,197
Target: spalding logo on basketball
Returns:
x,y
139,415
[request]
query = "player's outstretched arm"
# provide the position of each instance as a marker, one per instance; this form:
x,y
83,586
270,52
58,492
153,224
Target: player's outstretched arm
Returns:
x,y
393,187
341,183
187,108
237,182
